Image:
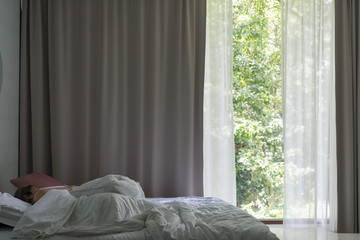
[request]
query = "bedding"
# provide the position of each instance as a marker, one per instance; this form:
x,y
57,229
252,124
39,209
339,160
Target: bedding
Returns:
x,y
114,215
9,216
110,183
11,209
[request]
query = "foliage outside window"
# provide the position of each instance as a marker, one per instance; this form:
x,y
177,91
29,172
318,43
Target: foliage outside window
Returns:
x,y
258,107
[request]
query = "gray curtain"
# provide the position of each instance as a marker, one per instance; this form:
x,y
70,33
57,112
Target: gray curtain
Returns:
x,y
347,58
114,86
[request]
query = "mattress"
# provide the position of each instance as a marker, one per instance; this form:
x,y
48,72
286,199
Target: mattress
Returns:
x,y
5,232
9,216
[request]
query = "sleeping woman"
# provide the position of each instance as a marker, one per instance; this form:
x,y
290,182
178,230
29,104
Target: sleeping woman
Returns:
x,y
110,183
32,194
110,204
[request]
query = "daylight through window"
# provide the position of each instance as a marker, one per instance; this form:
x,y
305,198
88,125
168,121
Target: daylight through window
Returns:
x,y
257,107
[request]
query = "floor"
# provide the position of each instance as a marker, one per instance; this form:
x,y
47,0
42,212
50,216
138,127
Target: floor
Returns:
x,y
5,232
309,234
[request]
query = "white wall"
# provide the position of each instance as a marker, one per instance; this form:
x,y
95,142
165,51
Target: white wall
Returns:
x,y
9,91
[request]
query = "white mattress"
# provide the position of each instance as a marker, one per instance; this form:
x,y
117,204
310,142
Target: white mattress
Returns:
x,y
9,216
5,232
140,235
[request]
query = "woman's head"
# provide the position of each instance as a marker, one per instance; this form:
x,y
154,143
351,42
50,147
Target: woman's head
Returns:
x,y
25,193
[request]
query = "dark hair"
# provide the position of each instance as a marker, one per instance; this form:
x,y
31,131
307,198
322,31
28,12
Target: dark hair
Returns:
x,y
22,192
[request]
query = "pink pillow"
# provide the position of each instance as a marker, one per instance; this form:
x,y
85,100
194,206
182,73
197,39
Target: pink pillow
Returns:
x,y
38,180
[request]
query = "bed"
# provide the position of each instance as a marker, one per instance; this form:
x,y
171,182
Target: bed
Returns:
x,y
114,207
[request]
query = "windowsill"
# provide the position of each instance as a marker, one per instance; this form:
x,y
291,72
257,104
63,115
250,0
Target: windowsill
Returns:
x,y
271,221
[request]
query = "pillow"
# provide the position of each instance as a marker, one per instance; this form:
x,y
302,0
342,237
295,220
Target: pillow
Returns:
x,y
11,209
38,180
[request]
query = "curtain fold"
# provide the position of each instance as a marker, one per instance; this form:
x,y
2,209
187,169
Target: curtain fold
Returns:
x,y
347,115
114,86
219,156
310,193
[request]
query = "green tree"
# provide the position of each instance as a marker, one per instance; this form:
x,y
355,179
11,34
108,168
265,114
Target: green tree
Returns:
x,y
258,106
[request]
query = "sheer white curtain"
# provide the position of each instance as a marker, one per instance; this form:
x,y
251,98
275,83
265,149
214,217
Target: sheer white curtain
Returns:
x,y
219,159
309,113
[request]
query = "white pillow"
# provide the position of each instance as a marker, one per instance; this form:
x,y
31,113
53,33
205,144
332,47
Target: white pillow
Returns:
x,y
11,209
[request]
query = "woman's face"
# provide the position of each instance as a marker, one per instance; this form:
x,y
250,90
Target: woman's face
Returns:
x,y
30,195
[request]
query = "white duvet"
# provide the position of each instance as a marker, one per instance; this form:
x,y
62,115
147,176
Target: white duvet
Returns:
x,y
102,209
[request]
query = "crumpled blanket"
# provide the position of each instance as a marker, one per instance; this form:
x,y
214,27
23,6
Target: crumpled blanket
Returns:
x,y
108,212
110,184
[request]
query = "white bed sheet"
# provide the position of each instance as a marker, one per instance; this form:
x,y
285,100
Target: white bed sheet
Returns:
x,y
213,211
11,209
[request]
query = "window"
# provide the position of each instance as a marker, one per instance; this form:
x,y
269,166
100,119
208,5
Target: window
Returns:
x,y
257,103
